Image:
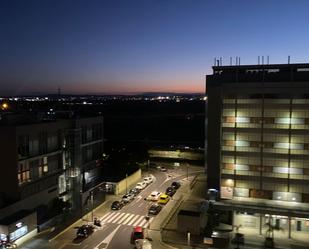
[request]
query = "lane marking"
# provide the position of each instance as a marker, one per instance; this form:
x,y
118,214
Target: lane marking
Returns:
x,y
118,218
108,239
133,220
123,218
111,217
128,219
138,221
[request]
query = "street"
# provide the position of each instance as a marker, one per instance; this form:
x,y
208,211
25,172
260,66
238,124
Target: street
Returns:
x,y
116,226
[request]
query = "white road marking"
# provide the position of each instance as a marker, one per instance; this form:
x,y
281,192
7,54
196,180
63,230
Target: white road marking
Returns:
x,y
104,216
128,219
123,218
133,220
118,218
112,217
108,239
143,223
138,221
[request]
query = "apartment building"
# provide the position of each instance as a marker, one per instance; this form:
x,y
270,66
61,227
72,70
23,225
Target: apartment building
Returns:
x,y
46,163
258,144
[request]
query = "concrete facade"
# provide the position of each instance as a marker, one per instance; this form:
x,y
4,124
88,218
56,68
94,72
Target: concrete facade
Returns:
x,y
258,142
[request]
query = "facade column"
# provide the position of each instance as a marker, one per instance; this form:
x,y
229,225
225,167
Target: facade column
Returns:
x,y
261,219
290,227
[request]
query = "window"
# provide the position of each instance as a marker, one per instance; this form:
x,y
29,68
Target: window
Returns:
x,y
23,145
23,173
43,142
18,233
43,166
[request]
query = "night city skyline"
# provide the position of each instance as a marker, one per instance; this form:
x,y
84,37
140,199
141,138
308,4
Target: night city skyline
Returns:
x,y
128,47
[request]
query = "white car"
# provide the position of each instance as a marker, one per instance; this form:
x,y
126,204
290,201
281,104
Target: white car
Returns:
x,y
141,185
161,168
143,244
154,196
148,179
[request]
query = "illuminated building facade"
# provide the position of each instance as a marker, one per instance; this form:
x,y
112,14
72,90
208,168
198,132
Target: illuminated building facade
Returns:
x,y
258,143
48,165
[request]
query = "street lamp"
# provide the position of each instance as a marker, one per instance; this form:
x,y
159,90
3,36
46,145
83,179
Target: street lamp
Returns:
x,y
126,183
91,199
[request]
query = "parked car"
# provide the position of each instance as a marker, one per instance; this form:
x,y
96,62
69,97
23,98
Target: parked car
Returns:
x,y
154,196
134,191
137,233
164,198
148,179
170,191
154,209
161,168
84,231
141,185
143,244
128,198
116,205
176,185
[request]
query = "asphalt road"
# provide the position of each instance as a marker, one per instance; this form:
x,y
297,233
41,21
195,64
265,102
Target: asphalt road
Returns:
x,y
117,226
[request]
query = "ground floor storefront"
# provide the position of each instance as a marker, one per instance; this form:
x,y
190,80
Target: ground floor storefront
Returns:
x,y
18,227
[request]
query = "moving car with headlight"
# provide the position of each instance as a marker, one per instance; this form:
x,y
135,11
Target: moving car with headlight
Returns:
x,y
148,179
170,191
84,231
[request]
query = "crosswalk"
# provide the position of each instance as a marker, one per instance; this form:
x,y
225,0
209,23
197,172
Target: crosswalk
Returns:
x,y
126,219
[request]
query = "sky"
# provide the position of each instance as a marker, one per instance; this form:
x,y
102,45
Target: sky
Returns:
x,y
135,46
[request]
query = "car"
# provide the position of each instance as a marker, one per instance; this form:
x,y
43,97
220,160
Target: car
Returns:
x,y
164,198
128,198
176,185
161,168
154,196
134,191
137,233
148,179
116,205
143,244
84,231
141,185
170,191
154,209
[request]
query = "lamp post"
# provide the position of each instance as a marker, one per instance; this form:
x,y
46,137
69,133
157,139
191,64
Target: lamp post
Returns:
x,y
126,183
91,199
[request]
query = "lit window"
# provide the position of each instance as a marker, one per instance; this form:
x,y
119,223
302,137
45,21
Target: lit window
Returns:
x,y
242,120
289,121
241,143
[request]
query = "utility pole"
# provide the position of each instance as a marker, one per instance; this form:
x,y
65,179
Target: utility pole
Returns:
x,y
91,198
126,183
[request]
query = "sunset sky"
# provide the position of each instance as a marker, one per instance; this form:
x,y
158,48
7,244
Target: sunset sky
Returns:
x,y
133,46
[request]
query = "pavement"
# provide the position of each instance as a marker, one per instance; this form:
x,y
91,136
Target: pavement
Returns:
x,y
51,238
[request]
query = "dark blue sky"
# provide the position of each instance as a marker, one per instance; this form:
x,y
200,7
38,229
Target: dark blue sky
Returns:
x,y
88,46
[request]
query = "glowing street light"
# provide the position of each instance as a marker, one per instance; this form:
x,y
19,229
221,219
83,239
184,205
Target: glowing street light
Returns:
x,y
4,106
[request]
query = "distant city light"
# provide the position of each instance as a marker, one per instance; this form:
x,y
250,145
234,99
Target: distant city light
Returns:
x,y
5,106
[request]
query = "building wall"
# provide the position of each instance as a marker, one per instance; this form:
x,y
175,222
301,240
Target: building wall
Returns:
x,y
264,147
9,183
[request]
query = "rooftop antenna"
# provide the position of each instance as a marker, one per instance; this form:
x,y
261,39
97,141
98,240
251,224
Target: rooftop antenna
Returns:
x,y
231,61
236,59
289,58
239,61
215,60
258,60
220,61
263,60
267,59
